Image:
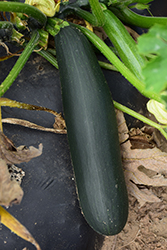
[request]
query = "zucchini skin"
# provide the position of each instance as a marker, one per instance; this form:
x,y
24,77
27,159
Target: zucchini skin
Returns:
x,y
92,134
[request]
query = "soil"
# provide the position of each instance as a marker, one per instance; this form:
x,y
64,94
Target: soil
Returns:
x,y
146,226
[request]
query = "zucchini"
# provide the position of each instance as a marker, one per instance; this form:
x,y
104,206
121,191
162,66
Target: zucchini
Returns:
x,y
92,134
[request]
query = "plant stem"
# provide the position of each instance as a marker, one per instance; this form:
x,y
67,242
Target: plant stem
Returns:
x,y
130,17
108,66
24,8
124,44
140,117
120,38
49,57
19,64
106,51
89,17
97,12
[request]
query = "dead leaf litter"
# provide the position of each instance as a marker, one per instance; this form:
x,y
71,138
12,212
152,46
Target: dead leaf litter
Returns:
x,y
10,190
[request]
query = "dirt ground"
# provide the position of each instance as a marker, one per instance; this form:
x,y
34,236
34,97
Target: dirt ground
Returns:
x,y
146,227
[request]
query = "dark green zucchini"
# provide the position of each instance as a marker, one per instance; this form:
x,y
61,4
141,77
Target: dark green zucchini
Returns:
x,y
92,134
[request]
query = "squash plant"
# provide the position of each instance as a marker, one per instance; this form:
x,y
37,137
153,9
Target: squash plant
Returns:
x,y
88,106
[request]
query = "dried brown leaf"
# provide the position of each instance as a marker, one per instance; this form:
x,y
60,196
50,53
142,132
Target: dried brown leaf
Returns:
x,y
152,159
140,139
58,126
12,155
122,128
146,167
10,190
142,195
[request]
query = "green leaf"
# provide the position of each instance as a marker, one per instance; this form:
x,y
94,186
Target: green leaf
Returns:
x,y
155,70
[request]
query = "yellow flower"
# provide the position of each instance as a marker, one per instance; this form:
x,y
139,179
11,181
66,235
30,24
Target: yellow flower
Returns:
x,y
48,7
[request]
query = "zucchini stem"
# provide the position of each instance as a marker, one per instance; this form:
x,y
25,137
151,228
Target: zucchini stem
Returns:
x,y
89,17
24,8
108,66
140,117
120,38
96,18
49,57
130,17
20,63
97,12
124,43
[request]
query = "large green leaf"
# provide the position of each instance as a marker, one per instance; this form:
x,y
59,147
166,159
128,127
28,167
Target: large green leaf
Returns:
x,y
155,71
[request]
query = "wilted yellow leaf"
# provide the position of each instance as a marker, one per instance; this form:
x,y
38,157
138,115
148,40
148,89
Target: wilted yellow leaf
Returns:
x,y
16,227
